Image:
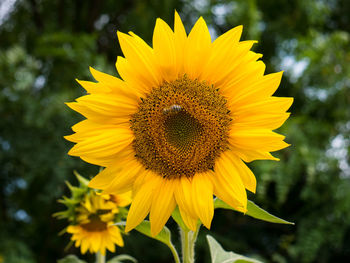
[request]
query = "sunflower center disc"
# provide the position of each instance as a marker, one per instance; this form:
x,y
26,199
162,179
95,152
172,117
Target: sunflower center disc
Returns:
x,y
180,128
95,224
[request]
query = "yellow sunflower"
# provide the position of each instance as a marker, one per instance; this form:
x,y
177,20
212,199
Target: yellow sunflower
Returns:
x,y
179,125
95,231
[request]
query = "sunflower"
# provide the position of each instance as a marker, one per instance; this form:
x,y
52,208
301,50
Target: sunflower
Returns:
x,y
180,123
95,230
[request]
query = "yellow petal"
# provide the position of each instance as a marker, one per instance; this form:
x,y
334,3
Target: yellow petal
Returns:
x,y
117,176
142,201
198,48
84,246
71,229
86,125
141,58
251,155
113,159
93,87
133,79
183,195
243,171
117,237
118,107
139,181
103,250
180,37
189,221
179,29
125,198
223,55
107,143
232,64
109,242
202,197
252,139
103,77
163,205
124,180
92,115
260,120
96,242
258,90
87,129
240,79
228,184
269,105
164,50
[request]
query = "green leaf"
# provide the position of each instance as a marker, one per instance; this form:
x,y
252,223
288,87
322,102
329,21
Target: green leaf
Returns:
x,y
255,211
144,227
164,235
71,259
219,255
121,258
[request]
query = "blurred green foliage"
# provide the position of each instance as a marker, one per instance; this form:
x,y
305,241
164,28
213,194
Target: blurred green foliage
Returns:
x,y
45,45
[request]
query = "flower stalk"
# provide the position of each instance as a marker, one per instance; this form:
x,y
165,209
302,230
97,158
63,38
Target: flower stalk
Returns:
x,y
174,252
188,240
100,258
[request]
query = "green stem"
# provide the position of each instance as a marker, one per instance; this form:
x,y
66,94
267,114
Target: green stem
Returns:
x,y
174,252
100,258
188,239
193,236
185,246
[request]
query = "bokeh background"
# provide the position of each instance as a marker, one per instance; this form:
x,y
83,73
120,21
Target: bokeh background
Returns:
x,y
46,44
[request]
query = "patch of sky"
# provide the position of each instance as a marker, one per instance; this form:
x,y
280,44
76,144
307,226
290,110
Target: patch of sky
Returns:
x,y
5,145
21,215
212,32
293,67
200,5
338,149
323,93
16,184
6,7
39,82
101,21
316,93
220,11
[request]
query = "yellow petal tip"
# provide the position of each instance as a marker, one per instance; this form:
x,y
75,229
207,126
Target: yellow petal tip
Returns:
x,y
207,224
127,228
91,184
92,69
72,152
239,28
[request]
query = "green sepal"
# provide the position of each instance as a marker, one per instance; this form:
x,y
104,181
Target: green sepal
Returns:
x,y
255,211
83,181
77,196
219,255
178,219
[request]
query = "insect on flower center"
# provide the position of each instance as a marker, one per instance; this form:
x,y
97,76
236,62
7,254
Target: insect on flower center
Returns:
x,y
180,128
